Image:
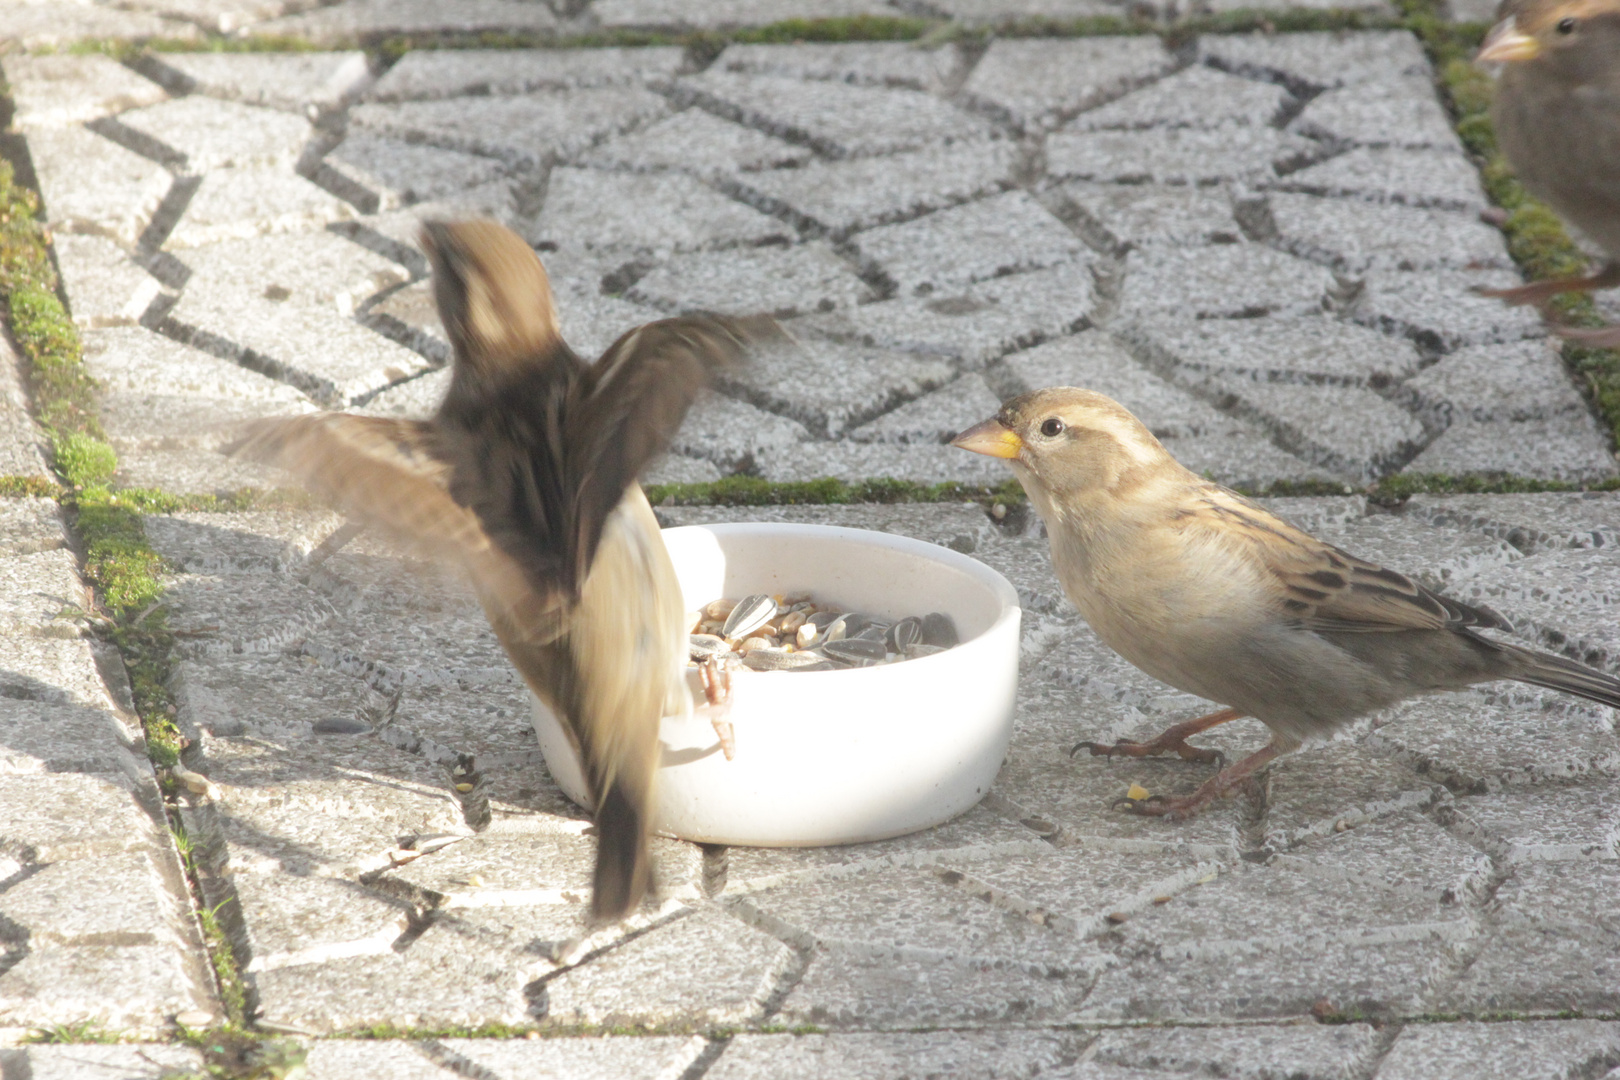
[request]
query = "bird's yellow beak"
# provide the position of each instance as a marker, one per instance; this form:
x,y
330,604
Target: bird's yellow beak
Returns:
x,y
1507,43
991,438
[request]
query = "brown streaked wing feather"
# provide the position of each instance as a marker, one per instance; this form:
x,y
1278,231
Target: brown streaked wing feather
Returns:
x,y
391,474
1326,588
629,404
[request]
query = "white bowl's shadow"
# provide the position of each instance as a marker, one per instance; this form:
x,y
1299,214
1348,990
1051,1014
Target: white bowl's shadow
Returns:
x,y
834,757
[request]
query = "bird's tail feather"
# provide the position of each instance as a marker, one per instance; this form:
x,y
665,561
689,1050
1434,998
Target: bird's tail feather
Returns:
x,y
623,875
1570,677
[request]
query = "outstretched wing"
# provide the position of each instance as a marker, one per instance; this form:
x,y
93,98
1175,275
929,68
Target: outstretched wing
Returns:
x,y
394,474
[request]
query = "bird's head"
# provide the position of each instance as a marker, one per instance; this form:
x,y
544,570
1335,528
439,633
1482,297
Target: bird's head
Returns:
x,y
1579,39
1070,444
493,295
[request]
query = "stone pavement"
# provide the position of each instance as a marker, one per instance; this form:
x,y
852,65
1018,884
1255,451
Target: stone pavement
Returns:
x,y
1266,246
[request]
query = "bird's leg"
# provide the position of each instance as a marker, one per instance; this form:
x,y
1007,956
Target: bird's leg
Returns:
x,y
1539,292
1171,740
1217,786
716,680
1601,337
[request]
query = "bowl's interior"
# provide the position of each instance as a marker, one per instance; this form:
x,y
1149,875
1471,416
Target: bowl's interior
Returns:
x,y
870,572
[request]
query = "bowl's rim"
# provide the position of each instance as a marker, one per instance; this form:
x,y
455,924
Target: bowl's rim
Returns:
x,y
987,576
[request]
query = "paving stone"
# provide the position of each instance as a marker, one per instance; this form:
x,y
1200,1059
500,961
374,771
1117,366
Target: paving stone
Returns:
x,y
980,12
104,286
1530,523
1442,310
282,305
67,816
1559,823
37,738
1534,1050
1347,429
650,980
843,196
905,992
22,443
1313,349
1176,155
834,118
603,212
29,524
851,385
1037,83
676,15
290,920
853,462
294,82
1224,281
935,418
40,594
1133,215
1250,1052
1320,790
1569,449
1404,852
88,1061
972,1055
1564,598
1523,380
1356,236
1434,557
50,91
525,131
233,204
1438,178
376,19
384,1059
876,63
1320,59
135,988
977,324
1001,235
730,432
207,133
92,185
58,670
207,693
1025,562
599,1058
782,281
135,906
1551,950
1401,112
377,173
57,22
441,73
698,142
224,16
1198,96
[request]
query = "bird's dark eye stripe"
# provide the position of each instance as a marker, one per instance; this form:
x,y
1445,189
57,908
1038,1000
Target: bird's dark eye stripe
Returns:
x,y
1566,26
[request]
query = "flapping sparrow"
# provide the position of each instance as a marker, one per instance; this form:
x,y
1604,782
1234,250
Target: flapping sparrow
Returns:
x,y
526,475
1206,591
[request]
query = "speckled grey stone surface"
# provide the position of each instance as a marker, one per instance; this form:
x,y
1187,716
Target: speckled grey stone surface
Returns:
x,y
1265,245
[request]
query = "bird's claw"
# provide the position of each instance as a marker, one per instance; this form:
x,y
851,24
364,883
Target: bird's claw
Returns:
x,y
1178,747
716,679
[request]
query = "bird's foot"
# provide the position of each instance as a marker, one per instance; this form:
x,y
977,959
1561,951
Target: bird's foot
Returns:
x,y
1172,740
716,679
1218,786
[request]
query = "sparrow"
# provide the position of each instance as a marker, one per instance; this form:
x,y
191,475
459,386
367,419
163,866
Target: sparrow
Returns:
x,y
1556,112
526,476
1206,591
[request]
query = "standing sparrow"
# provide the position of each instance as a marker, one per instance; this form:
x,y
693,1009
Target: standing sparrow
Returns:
x,y
526,475
1204,590
1556,112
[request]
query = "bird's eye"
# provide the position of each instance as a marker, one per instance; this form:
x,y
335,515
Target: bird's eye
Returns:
x,y
1052,427
1566,26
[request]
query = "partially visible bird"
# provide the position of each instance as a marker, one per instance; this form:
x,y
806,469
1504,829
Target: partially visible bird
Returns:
x,y
1206,591
526,475
1556,112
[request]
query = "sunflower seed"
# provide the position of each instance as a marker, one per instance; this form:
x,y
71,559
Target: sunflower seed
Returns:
x,y
781,660
751,613
706,645
856,649
939,629
917,648
905,632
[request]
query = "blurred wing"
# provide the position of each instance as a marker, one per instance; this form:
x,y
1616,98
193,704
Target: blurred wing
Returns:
x,y
393,474
625,410
1325,588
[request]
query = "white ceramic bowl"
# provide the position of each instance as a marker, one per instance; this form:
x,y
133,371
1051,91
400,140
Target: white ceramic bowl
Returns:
x,y
834,757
